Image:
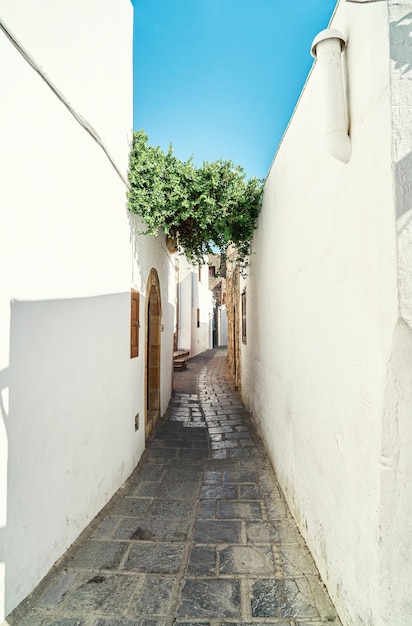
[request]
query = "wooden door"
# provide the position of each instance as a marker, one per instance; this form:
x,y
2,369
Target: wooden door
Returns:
x,y
153,353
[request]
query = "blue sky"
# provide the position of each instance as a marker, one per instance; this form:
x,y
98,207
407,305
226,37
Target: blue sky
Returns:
x,y
220,78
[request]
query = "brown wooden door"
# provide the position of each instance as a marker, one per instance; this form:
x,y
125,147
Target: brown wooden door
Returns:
x,y
153,353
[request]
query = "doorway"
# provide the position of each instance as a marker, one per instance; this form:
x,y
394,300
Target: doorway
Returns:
x,y
153,326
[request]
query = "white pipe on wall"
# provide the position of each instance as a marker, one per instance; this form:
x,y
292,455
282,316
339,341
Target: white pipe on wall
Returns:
x,y
327,48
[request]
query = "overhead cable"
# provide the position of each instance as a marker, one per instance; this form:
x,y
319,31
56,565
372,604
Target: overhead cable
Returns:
x,y
79,118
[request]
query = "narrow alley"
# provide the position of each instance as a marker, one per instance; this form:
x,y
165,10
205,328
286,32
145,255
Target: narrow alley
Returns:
x,y
199,534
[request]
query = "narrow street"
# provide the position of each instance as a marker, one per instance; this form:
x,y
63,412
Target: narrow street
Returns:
x,y
199,534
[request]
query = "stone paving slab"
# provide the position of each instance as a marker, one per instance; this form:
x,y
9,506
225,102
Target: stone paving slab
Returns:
x,y
199,535
210,598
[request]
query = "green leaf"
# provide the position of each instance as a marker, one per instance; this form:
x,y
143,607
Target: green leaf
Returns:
x,y
206,208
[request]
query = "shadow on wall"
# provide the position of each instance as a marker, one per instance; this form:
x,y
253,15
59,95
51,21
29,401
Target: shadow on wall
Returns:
x,y
139,240
403,186
4,390
136,229
400,38
66,358
401,55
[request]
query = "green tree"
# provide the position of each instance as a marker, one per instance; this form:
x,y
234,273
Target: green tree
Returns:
x,y
204,209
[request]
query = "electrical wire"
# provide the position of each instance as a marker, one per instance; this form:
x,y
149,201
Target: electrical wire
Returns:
x,y
79,118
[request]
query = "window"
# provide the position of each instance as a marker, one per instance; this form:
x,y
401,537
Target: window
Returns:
x,y
212,271
198,318
134,324
199,273
244,316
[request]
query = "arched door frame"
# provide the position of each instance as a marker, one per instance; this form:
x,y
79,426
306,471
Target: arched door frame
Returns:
x,y
152,352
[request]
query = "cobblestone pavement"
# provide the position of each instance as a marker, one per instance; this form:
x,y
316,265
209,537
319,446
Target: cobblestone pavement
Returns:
x,y
199,535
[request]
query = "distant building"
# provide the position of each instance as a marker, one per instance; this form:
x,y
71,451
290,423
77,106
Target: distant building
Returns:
x,y
217,285
194,308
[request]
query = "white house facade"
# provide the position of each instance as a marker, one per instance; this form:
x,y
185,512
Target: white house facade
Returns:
x,y
86,304
194,307
327,363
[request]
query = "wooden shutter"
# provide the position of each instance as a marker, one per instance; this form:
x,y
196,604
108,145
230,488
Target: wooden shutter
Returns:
x,y
134,324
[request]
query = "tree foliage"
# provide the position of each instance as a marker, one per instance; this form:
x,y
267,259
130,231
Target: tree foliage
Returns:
x,y
204,209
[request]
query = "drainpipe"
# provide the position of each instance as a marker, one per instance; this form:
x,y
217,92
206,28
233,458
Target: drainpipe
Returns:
x,y
327,48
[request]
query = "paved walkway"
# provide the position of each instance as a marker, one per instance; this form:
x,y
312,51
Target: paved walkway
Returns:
x,y
199,535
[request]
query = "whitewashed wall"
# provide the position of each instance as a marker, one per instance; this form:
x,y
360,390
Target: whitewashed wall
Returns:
x,y
327,368
194,294
151,252
69,391
202,300
185,304
396,461
222,325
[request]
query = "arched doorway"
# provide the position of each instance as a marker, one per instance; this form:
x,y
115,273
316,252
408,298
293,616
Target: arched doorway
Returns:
x,y
233,324
153,326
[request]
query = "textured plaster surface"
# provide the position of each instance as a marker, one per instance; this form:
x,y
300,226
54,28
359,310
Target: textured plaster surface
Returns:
x,y
325,371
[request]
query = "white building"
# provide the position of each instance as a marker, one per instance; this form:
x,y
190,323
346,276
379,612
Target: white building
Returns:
x,y
327,363
73,403
221,325
194,307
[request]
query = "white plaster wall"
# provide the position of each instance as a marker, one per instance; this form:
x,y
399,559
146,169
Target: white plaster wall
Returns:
x,y
185,304
202,300
194,294
222,325
151,252
68,388
396,501
322,307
